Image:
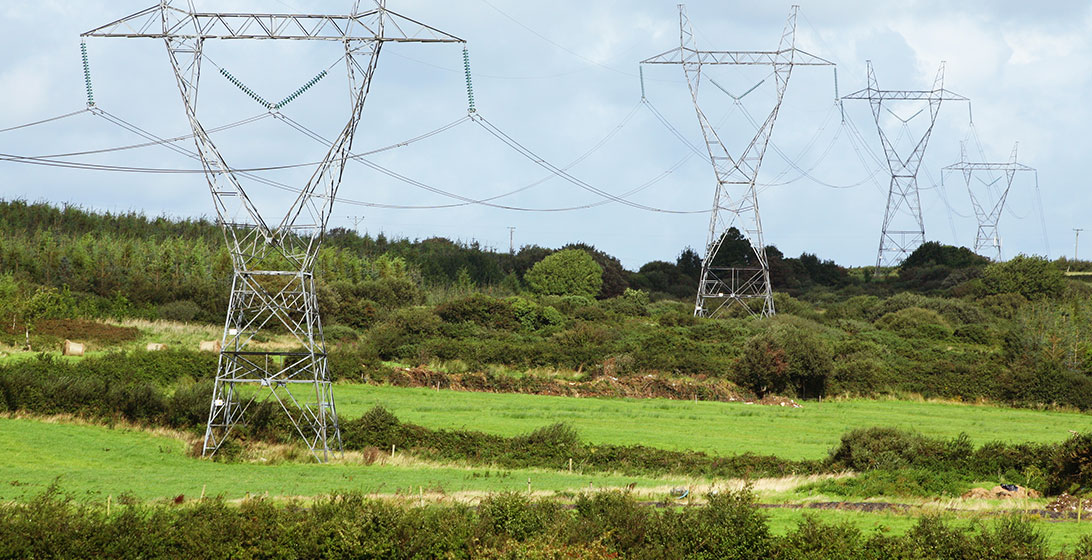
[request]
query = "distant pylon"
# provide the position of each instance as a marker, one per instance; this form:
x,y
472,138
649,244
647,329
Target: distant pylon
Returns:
x,y
903,225
736,198
989,203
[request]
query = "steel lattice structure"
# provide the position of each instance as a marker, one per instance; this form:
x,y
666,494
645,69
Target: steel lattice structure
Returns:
x,y
903,225
735,197
274,261
988,214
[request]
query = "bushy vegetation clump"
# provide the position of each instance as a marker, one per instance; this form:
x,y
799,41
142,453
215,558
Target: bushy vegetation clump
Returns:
x,y
570,272
509,525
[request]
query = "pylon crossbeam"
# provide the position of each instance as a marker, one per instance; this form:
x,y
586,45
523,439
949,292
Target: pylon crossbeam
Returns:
x,y
165,21
738,58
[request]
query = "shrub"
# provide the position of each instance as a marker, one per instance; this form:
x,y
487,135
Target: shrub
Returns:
x,y
614,514
479,309
532,316
866,449
787,357
1031,277
632,302
916,483
916,322
730,526
1004,306
390,293
513,515
1071,466
974,333
677,319
182,310
568,272
815,540
859,373
189,405
764,366
340,333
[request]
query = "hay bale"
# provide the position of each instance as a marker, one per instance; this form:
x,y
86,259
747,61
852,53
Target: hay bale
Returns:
x,y
209,346
72,348
156,347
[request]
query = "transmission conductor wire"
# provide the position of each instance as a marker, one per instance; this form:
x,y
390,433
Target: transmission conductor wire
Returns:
x,y
44,121
466,200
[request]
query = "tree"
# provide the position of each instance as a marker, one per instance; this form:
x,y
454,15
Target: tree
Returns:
x,y
614,276
933,253
567,272
689,263
735,250
786,358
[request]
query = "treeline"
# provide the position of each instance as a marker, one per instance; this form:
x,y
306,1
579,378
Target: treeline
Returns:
x,y
510,525
153,262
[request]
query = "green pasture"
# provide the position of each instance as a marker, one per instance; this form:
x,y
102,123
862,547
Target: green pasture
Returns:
x,y
93,462
714,427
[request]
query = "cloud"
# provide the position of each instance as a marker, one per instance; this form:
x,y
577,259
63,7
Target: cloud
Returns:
x,y
560,89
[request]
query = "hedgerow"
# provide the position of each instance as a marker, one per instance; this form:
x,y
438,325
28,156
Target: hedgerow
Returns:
x,y
602,525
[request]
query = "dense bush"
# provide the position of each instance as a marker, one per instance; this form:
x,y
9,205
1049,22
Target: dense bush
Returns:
x,y
1031,277
602,525
568,272
915,322
480,309
786,358
1070,468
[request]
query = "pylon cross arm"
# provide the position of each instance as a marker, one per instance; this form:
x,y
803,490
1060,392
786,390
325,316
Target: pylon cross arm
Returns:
x,y
972,166
905,95
683,55
374,25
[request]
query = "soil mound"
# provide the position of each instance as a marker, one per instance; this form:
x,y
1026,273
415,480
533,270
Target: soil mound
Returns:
x,y
1068,504
1002,492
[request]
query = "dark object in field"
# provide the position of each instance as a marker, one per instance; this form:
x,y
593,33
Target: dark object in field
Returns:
x,y
180,498
1002,492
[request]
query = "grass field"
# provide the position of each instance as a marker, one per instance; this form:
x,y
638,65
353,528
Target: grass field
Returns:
x,y
93,462
714,427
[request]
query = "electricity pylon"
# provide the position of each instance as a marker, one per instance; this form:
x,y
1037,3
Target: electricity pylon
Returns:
x,y
273,287
903,225
735,197
988,240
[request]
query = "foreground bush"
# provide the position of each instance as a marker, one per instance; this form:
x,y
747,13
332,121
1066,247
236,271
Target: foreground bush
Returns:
x,y
604,525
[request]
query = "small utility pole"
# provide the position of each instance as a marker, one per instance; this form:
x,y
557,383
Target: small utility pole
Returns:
x,y
356,220
511,240
1076,240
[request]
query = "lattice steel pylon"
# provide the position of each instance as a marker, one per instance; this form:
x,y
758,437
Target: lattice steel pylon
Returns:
x,y
988,204
273,286
903,225
736,197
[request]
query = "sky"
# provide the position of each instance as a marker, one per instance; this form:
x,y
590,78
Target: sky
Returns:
x,y
562,80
